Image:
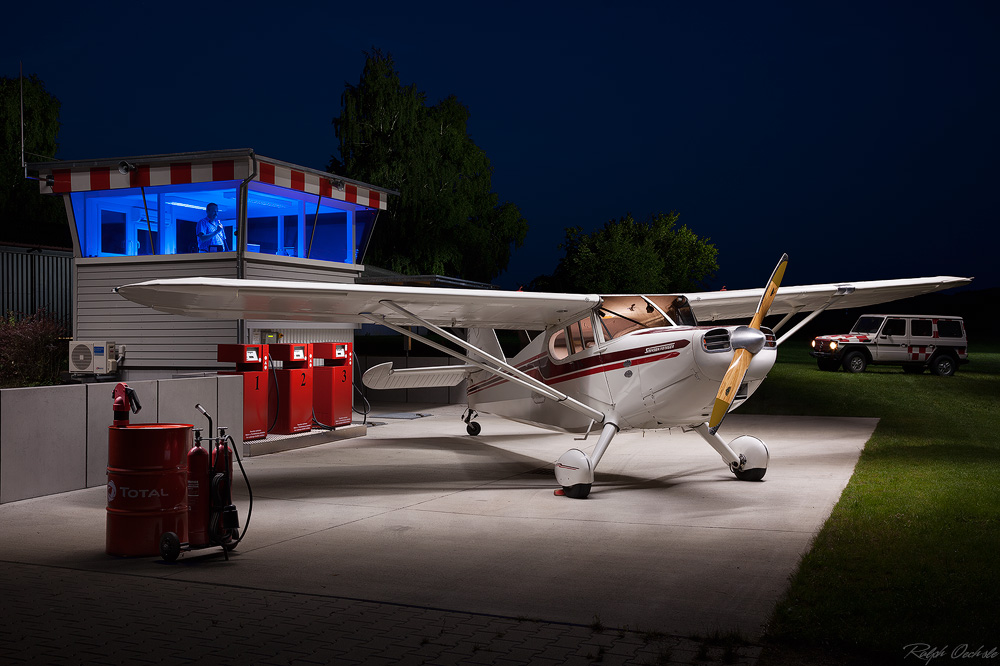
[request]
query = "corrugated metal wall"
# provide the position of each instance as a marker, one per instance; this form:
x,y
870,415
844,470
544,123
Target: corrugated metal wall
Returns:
x,y
160,341
153,339
279,268
35,280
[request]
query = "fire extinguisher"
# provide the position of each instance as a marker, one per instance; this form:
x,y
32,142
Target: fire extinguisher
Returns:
x,y
198,498
218,513
212,517
125,399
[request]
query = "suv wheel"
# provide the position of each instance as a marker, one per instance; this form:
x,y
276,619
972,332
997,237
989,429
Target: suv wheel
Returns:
x,y
855,361
943,365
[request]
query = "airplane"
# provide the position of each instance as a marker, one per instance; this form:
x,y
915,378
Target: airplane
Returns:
x,y
601,364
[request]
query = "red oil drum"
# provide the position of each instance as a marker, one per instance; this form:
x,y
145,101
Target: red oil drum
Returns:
x,y
147,486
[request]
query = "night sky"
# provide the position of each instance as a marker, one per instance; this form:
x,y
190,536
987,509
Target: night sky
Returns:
x,y
862,138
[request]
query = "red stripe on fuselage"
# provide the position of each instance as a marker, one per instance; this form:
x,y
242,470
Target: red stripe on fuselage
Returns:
x,y
540,367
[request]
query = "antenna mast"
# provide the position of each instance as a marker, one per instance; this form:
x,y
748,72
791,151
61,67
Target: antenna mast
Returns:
x,y
24,165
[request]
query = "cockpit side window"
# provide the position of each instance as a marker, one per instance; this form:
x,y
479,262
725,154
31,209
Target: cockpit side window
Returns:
x,y
573,339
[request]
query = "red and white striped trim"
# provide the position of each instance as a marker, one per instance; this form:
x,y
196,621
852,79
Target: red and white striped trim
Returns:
x,y
303,181
182,173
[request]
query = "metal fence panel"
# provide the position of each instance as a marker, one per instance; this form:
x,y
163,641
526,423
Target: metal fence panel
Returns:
x,y
33,280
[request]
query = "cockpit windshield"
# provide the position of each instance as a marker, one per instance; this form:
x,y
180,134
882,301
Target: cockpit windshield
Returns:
x,y
624,314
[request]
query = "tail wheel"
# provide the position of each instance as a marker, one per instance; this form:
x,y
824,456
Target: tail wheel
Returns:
x,y
473,428
855,361
943,365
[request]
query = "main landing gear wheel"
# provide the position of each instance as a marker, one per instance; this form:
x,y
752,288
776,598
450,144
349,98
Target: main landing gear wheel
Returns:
x,y
575,474
753,458
578,491
474,428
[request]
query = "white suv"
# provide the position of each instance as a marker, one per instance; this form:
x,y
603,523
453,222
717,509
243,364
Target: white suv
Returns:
x,y
913,341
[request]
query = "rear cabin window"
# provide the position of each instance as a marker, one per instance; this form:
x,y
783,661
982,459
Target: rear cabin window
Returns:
x,y
949,328
921,328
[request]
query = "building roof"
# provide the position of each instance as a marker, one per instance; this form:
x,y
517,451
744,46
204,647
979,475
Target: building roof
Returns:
x,y
60,177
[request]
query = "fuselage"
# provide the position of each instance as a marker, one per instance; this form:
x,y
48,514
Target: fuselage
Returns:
x,y
648,378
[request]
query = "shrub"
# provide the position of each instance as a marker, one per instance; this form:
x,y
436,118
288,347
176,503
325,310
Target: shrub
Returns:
x,y
32,350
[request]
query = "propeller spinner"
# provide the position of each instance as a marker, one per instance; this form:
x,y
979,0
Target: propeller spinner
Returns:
x,y
746,341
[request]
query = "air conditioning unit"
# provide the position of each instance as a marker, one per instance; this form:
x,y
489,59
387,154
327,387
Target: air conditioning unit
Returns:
x,y
92,357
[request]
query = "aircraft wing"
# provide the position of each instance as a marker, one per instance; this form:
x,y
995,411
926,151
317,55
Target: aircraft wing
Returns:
x,y
228,298
741,304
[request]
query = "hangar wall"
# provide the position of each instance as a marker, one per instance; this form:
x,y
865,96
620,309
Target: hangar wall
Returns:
x,y
54,439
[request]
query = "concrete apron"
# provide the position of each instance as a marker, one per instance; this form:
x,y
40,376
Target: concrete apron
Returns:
x,y
417,512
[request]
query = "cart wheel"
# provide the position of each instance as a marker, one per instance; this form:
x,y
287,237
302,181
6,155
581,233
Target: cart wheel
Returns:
x,y
170,546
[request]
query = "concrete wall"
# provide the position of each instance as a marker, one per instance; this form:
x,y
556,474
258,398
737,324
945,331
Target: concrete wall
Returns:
x,y
54,439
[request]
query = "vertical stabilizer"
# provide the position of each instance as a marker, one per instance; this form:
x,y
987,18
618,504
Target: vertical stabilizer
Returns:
x,y
486,339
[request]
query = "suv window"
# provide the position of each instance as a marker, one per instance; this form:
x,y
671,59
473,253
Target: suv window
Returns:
x,y
921,328
949,328
895,327
867,325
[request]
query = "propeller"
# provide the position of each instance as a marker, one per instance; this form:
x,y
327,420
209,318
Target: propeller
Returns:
x,y
746,341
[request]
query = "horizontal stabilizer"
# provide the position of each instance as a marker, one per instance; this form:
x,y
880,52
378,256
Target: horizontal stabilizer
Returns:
x,y
383,376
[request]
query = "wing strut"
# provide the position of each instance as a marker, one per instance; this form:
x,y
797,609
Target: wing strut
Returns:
x,y
502,368
841,291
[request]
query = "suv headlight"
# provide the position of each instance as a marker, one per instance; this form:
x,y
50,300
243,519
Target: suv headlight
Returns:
x,y
833,346
813,344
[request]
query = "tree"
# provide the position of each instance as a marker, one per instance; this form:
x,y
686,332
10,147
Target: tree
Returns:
x,y
626,256
25,215
446,220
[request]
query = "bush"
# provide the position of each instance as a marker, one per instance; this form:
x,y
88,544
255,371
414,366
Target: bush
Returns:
x,y
32,350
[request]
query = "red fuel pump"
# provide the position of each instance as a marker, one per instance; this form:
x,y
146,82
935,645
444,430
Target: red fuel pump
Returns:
x,y
252,362
333,382
292,405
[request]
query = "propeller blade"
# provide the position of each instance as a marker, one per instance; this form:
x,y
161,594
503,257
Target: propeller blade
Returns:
x,y
730,385
767,298
742,357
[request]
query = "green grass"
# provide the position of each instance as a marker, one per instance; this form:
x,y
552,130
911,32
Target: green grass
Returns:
x,y
911,552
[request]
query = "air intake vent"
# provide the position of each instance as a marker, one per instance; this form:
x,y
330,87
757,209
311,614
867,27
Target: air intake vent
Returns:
x,y
716,340
770,340
81,357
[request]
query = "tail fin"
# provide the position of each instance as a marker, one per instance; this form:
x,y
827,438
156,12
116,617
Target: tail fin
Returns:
x,y
486,339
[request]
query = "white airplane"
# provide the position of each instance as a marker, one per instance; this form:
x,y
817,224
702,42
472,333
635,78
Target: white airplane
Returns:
x,y
602,363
